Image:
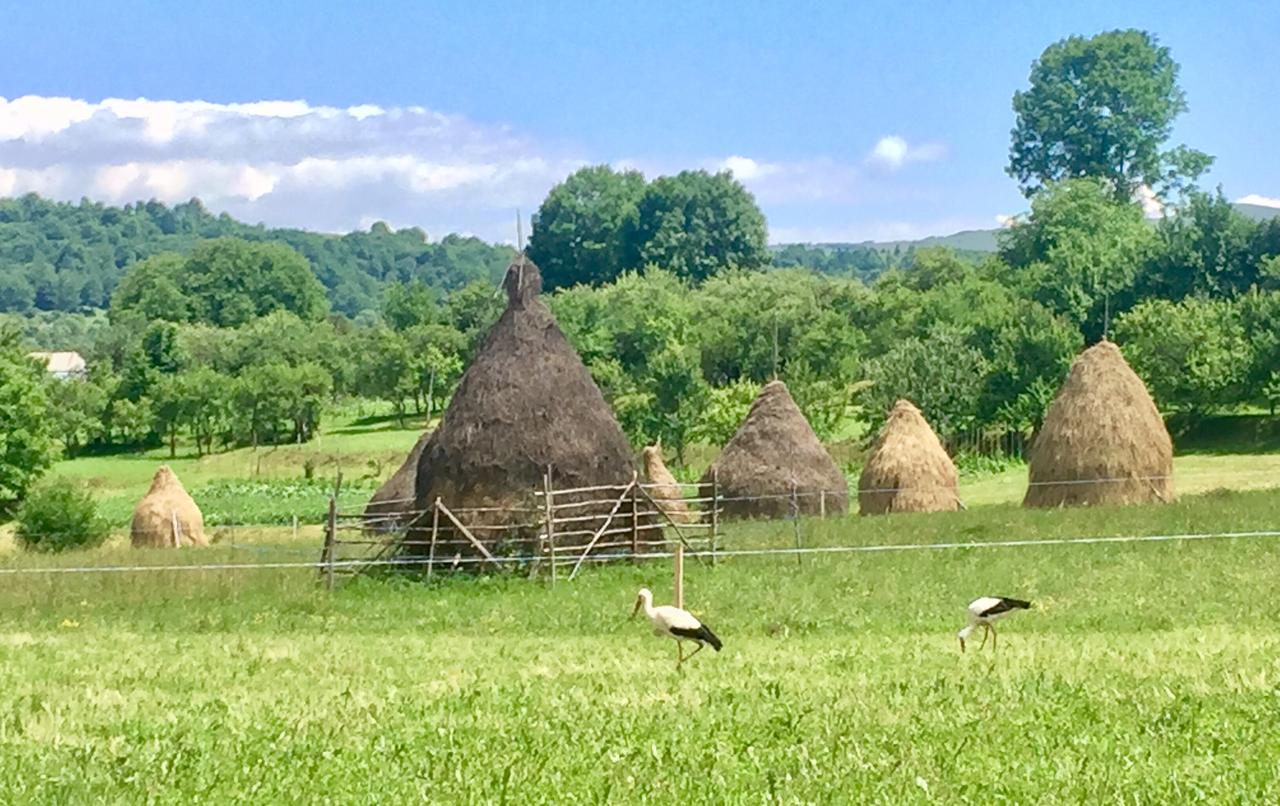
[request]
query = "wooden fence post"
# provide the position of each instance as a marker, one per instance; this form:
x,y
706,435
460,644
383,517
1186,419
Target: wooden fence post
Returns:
x,y
435,532
678,570
548,548
635,519
795,519
822,504
330,540
715,511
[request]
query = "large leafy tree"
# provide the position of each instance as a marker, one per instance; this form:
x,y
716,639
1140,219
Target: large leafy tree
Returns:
x,y
1102,107
578,232
697,224
1079,250
26,422
230,281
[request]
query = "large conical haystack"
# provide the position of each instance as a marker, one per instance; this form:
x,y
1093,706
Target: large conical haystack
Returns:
x,y
665,490
1103,441
908,469
167,517
526,403
392,505
773,452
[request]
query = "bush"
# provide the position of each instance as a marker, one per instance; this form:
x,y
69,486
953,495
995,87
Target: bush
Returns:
x,y
57,516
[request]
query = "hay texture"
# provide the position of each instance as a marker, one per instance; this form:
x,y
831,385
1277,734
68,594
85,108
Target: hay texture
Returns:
x,y
774,449
664,489
167,517
1103,440
908,470
391,506
526,403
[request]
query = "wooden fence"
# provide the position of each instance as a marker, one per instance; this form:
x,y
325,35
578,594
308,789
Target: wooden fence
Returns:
x,y
555,532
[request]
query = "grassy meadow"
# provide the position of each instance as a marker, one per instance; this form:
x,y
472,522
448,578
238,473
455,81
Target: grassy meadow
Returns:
x,y
1146,673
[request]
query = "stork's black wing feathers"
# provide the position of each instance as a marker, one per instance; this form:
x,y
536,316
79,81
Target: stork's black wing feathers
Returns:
x,y
702,634
1005,605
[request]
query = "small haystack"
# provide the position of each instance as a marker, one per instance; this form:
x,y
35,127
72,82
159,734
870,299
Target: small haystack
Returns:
x,y
1103,441
666,492
392,505
526,403
167,517
908,470
774,451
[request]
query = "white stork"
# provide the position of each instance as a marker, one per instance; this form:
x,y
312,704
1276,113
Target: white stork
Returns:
x,y
983,613
676,623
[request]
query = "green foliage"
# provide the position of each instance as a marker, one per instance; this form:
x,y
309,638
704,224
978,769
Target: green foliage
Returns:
x,y
58,515
26,422
78,408
583,225
1193,355
599,223
1102,107
1079,249
93,246
939,372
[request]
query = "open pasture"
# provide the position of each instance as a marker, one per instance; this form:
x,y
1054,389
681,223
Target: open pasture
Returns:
x,y
1147,672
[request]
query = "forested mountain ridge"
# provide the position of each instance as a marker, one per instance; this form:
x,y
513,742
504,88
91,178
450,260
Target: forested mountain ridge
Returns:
x,y
56,256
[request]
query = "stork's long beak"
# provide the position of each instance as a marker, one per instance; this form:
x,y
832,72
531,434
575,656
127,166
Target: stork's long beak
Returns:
x,y
962,645
635,609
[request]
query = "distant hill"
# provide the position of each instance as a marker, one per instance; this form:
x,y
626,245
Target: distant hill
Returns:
x,y
980,240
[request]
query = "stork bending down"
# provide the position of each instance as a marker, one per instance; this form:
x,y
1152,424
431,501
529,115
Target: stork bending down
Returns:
x,y
676,623
984,611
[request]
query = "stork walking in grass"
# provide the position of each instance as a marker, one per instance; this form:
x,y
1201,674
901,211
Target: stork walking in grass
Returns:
x,y
984,611
676,623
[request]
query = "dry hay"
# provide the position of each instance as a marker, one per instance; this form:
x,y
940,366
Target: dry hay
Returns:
x,y
908,470
665,490
1103,440
167,517
392,505
526,403
774,451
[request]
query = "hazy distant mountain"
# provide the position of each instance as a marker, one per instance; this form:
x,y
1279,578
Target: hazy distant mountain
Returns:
x,y
984,240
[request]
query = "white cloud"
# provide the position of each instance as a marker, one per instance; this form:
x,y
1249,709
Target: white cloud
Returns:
x,y
1261,201
1152,207
1004,220
893,151
284,162
746,169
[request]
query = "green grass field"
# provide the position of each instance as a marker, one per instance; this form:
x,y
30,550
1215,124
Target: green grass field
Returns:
x,y
1146,673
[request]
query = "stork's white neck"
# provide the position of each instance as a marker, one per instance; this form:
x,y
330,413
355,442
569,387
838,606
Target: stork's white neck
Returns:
x,y
646,603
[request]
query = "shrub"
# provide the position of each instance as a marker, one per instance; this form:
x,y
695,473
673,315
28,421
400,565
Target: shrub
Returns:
x,y
57,516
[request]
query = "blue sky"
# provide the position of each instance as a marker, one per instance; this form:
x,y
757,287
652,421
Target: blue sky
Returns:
x,y
848,121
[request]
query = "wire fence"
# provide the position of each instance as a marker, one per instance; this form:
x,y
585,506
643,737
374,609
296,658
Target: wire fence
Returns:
x,y
556,532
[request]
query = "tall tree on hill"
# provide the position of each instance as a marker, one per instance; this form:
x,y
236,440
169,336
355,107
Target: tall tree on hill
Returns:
x,y
578,231
697,224
1103,107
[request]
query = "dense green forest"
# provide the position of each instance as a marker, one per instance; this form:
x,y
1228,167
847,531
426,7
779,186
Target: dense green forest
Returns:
x,y
70,257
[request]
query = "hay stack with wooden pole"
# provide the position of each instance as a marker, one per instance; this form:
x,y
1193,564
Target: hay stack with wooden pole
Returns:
x,y
167,517
665,490
1103,440
392,505
773,454
525,404
908,470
